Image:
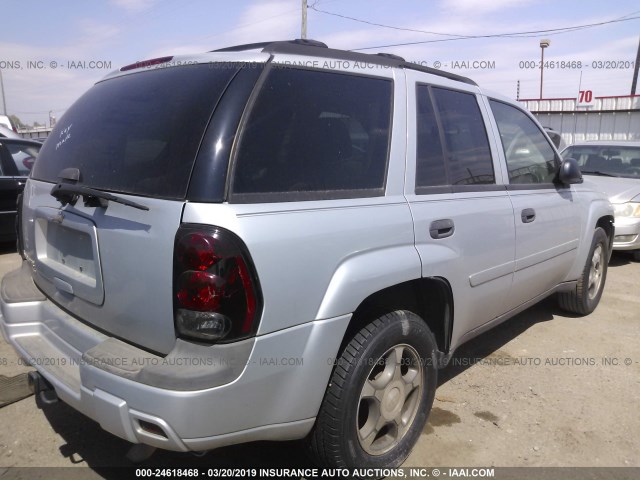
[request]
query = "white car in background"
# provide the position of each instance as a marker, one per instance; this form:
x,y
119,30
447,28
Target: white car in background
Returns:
x,y
8,133
6,122
615,167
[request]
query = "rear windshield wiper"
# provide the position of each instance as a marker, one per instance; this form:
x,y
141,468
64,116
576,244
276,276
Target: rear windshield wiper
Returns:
x,y
69,193
598,172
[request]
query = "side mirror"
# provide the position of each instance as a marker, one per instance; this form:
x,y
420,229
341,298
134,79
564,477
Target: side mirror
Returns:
x,y
569,172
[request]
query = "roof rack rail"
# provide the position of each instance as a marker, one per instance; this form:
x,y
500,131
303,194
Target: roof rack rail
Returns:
x,y
440,73
303,46
391,55
262,45
309,42
245,46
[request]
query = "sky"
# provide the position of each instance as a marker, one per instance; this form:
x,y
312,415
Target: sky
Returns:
x,y
52,52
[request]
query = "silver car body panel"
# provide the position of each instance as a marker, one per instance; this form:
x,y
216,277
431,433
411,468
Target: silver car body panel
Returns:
x,y
478,259
116,249
620,191
381,257
270,391
359,260
316,262
546,247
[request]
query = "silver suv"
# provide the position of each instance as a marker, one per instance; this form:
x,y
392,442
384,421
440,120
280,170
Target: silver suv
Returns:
x,y
285,241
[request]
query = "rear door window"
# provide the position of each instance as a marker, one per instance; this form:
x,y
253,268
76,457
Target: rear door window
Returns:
x,y
138,133
314,135
430,165
452,147
466,143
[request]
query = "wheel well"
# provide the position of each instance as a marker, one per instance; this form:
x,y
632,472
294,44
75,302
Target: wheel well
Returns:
x,y
429,298
606,223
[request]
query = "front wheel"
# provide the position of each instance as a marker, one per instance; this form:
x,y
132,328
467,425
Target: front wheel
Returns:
x,y
586,296
379,395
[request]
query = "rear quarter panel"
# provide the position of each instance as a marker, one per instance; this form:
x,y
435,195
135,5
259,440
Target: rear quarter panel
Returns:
x,y
320,259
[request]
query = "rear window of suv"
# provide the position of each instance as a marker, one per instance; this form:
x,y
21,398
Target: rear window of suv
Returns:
x,y
314,135
138,133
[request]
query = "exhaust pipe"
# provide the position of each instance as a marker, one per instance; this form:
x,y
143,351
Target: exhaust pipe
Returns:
x,y
44,392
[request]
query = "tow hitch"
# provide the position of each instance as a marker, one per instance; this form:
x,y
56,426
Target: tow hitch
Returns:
x,y
42,389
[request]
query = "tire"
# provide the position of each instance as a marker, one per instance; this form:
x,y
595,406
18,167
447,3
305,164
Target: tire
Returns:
x,y
379,396
636,255
586,296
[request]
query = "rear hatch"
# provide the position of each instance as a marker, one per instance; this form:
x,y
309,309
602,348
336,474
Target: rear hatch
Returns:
x,y
135,136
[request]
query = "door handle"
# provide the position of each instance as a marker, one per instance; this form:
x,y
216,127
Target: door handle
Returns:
x,y
441,228
528,215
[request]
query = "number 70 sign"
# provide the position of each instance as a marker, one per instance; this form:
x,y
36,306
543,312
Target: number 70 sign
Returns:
x,y
585,97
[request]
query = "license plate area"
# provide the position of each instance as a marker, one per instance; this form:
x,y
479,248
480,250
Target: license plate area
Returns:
x,y
67,253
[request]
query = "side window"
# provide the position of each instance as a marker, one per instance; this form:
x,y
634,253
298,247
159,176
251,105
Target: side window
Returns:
x,y
23,157
5,158
430,166
466,144
315,135
530,157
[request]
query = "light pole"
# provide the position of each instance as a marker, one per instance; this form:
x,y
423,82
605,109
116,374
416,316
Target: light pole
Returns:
x,y
543,44
634,82
4,102
303,30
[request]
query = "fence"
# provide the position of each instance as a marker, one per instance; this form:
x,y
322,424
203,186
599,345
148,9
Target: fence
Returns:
x,y
35,132
604,118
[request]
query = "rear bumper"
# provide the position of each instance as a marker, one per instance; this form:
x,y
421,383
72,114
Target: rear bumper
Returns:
x,y
195,398
627,236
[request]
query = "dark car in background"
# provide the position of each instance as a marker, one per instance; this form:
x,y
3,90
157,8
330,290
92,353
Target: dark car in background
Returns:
x,y
17,156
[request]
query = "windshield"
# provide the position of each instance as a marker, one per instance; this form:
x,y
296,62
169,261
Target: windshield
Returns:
x,y
137,133
617,161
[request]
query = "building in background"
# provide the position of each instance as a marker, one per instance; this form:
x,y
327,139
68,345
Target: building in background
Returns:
x,y
589,118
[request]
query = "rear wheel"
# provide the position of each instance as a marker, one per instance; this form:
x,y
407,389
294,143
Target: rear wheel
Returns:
x,y
636,255
586,296
379,396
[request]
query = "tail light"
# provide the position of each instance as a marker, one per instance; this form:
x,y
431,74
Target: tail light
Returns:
x,y
28,162
216,292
